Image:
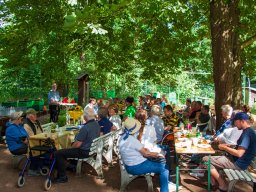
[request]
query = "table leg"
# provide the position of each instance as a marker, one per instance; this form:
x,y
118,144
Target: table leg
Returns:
x,y
177,173
209,174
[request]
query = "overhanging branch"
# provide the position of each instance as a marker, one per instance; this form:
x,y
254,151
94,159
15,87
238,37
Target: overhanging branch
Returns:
x,y
248,42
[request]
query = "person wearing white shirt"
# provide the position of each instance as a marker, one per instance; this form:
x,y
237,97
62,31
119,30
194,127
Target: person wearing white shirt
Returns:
x,y
134,155
114,117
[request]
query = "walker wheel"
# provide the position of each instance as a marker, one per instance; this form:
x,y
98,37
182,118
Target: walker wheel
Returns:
x,y
21,181
47,184
44,171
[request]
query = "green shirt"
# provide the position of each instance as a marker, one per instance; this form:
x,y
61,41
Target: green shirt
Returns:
x,y
130,111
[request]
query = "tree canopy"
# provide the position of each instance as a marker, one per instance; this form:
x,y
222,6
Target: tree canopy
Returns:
x,y
119,43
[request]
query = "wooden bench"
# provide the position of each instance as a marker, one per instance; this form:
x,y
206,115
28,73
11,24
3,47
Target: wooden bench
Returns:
x,y
126,178
234,176
101,146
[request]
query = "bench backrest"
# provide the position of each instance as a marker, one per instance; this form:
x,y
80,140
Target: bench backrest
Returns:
x,y
253,163
46,126
100,142
5,142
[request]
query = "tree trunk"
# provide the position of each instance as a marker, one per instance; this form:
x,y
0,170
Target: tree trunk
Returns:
x,y
224,19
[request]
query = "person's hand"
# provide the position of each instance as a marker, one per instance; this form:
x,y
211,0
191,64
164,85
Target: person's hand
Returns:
x,y
160,155
167,128
25,141
215,140
223,146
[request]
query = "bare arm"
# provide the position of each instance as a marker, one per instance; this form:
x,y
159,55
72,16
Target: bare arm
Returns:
x,y
146,153
76,144
236,152
113,128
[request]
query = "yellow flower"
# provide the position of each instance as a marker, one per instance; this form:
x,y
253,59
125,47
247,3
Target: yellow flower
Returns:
x,y
78,108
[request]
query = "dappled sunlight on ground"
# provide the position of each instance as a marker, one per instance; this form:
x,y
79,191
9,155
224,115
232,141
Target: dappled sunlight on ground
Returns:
x,y
88,182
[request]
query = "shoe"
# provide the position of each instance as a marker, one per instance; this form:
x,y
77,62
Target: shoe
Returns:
x,y
33,172
60,179
172,187
71,168
197,174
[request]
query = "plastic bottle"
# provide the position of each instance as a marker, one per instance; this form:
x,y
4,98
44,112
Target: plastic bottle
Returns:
x,y
67,119
181,126
198,133
49,131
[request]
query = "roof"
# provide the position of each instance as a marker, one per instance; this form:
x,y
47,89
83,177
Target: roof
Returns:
x,y
81,76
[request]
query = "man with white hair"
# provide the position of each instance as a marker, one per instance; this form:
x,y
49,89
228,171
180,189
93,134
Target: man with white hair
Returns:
x,y
156,121
80,148
31,124
227,111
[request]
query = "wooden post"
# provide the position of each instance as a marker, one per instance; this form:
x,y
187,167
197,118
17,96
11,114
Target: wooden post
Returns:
x,y
83,90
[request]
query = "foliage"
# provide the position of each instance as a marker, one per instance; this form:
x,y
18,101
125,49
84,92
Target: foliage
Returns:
x,y
121,44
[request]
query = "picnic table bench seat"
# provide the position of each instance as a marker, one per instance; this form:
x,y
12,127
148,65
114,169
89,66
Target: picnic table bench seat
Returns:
x,y
233,176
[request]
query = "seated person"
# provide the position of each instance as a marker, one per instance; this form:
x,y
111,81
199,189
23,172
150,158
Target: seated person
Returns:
x,y
243,154
186,111
31,124
134,155
130,109
227,111
80,147
196,111
203,117
147,136
147,133
170,119
16,135
105,124
114,117
156,121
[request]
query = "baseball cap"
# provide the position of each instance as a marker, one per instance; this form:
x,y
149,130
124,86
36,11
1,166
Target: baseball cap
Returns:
x,y
31,111
16,115
241,116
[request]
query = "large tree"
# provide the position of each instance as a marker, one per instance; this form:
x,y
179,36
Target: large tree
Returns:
x,y
226,53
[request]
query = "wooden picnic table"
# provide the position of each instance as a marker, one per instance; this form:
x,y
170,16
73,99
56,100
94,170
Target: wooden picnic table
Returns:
x,y
62,140
182,149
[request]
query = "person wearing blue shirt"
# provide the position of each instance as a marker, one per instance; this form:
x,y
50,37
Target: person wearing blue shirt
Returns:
x,y
53,101
16,135
80,148
105,124
242,155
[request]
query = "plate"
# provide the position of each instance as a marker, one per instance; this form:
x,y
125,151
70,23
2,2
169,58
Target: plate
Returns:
x,y
71,128
182,139
181,145
203,145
